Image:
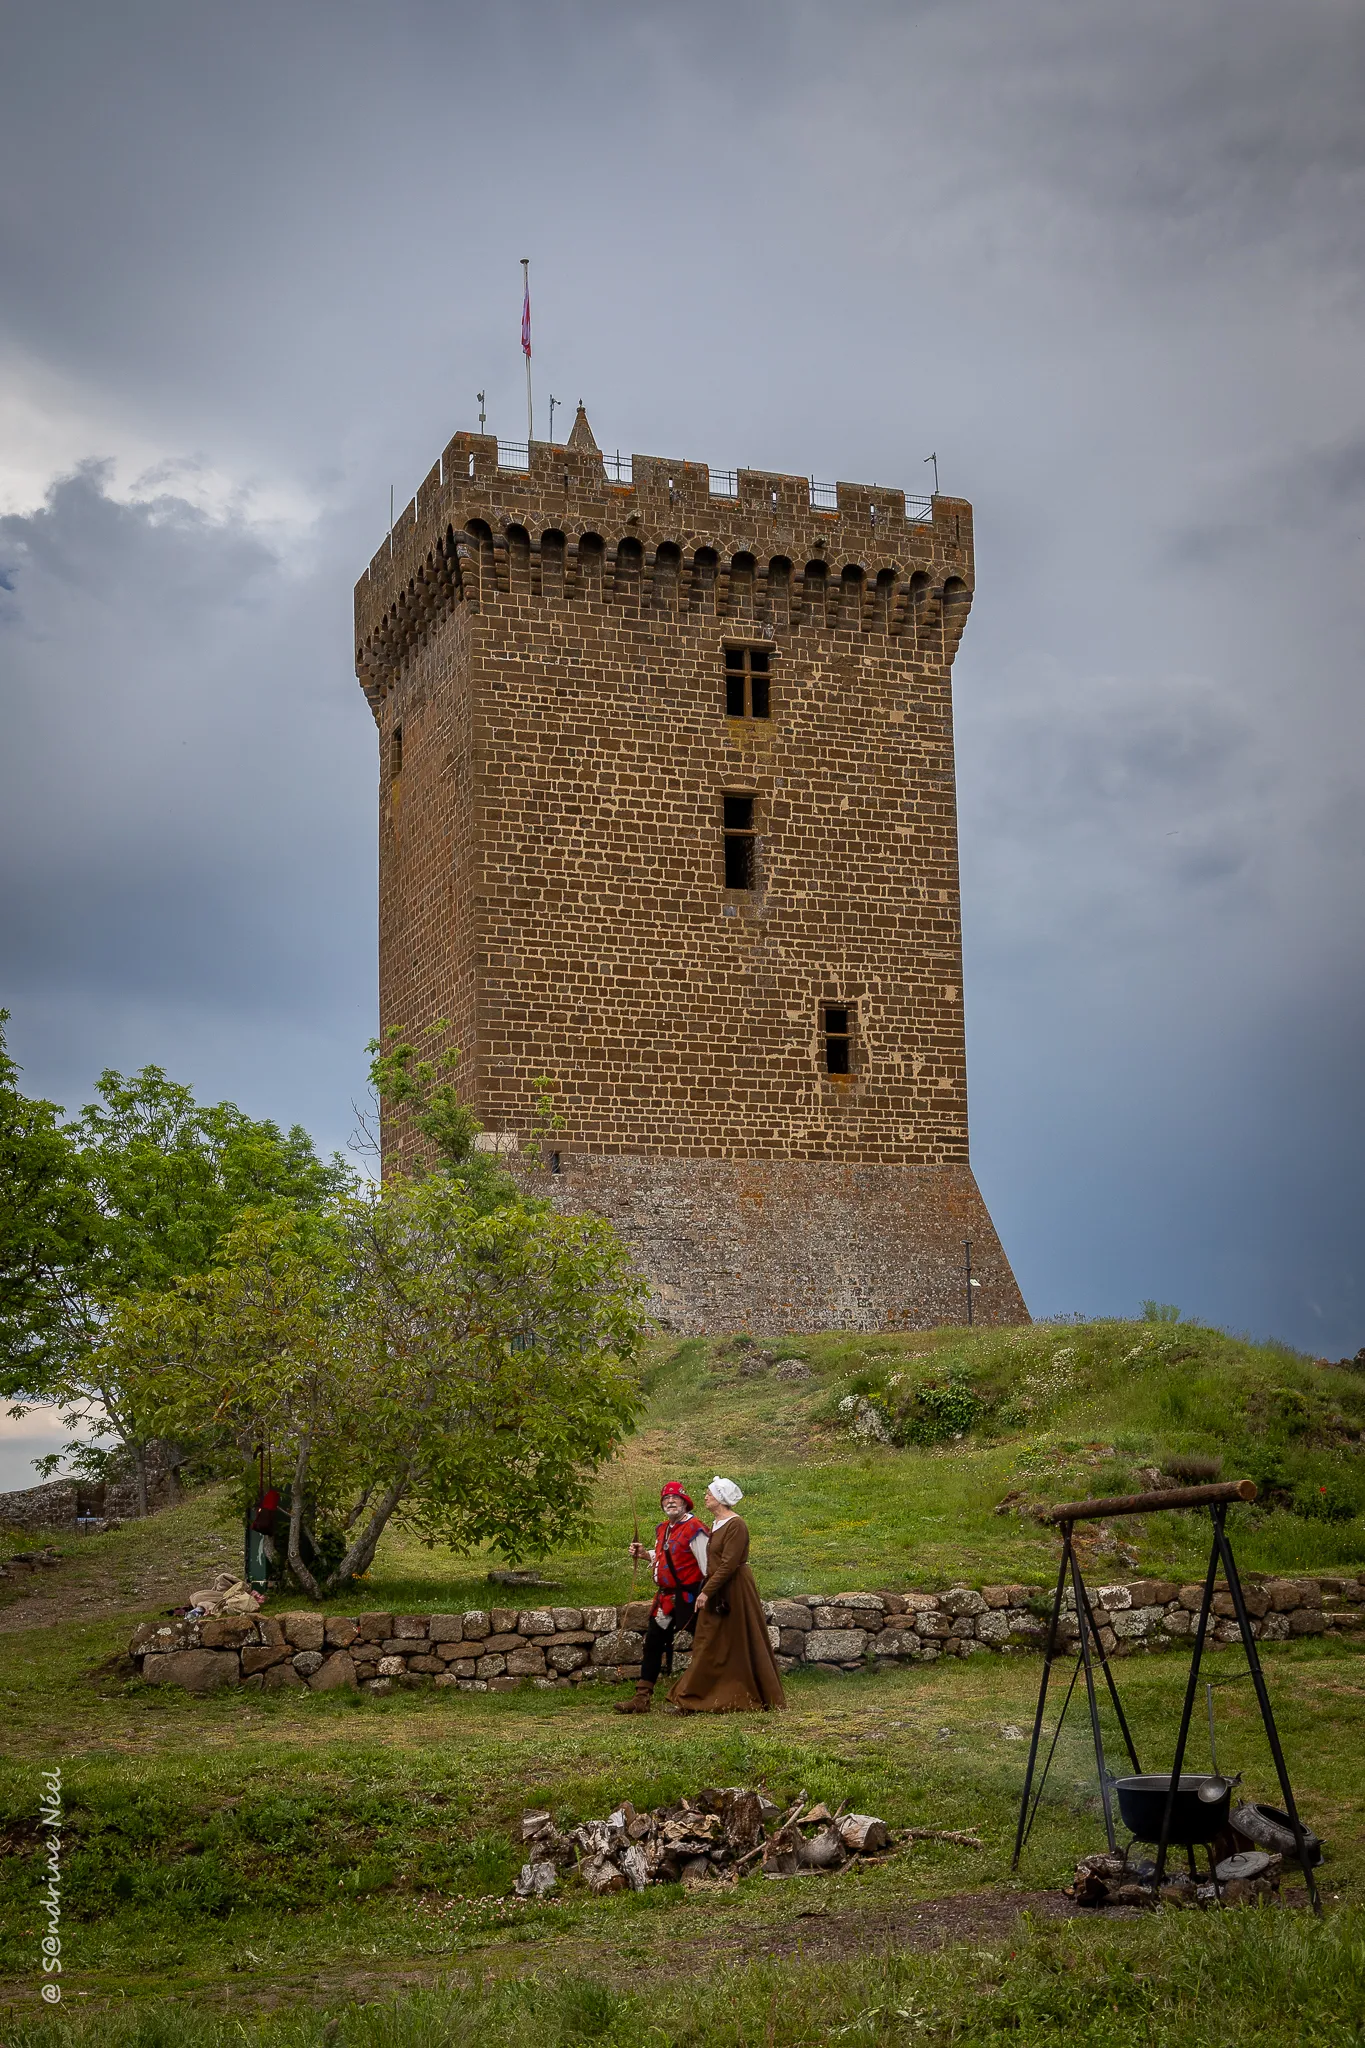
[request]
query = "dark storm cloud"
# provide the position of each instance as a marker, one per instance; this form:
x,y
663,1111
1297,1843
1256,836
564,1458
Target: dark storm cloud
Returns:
x,y
1106,259
180,788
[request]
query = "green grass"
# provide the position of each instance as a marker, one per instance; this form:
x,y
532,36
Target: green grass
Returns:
x,y
325,1868
1233,1982
290,1851
1063,1411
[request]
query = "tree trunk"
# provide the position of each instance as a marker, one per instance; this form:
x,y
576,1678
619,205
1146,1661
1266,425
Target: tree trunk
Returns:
x,y
296,1563
360,1556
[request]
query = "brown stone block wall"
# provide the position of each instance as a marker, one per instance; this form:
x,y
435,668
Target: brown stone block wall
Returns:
x,y
778,1245
428,848
552,648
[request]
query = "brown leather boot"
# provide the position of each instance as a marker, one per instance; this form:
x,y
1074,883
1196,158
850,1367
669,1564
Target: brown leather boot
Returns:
x,y
644,1694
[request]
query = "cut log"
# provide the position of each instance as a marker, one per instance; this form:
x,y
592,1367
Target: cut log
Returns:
x,y
780,1853
863,1833
600,1875
743,1819
824,1851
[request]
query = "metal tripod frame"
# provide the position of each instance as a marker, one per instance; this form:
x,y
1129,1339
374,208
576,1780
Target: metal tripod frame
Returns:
x,y
1220,1553
1090,1647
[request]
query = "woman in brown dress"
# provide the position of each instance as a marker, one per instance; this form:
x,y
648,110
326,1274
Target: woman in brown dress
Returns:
x,y
732,1669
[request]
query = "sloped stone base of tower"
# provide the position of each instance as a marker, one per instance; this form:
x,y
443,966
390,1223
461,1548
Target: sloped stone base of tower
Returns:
x,y
775,1245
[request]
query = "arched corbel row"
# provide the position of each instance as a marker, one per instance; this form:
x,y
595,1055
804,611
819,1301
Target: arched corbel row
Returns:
x,y
479,567
627,574
956,603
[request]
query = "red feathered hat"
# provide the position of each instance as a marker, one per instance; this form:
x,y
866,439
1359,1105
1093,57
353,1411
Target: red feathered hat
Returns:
x,y
673,1487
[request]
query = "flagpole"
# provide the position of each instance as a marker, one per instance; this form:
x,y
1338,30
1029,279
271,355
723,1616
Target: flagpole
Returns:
x,y
526,345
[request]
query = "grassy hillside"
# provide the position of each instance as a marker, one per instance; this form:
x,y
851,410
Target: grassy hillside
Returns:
x,y
1045,1413
314,1868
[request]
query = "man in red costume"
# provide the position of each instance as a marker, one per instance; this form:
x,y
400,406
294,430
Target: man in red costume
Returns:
x,y
679,1563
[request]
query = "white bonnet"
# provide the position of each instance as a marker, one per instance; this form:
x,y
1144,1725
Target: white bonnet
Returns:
x,y
726,1490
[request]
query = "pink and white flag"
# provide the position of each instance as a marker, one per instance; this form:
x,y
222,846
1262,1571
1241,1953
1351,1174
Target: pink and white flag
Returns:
x,y
526,324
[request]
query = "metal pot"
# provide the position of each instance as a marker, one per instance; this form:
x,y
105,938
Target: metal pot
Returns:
x,y
1142,1801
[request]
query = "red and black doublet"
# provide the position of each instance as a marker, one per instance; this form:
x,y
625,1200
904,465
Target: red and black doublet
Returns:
x,y
678,1579
677,1574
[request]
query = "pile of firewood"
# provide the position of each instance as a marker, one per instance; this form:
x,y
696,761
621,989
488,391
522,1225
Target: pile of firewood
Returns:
x,y
715,1838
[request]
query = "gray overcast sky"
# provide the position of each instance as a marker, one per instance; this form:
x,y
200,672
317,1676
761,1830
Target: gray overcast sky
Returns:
x,y
1106,259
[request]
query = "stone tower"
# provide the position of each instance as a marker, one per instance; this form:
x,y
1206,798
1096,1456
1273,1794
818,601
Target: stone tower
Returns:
x,y
667,814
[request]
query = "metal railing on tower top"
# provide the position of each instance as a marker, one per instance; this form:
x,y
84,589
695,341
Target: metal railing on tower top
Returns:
x,y
724,483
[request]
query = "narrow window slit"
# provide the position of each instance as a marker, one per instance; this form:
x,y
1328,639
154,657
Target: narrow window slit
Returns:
x,y
838,1037
739,842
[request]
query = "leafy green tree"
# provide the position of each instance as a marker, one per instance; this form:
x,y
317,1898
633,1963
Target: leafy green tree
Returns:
x,y
170,1177
467,1367
424,1092
49,1227
140,1189
421,1089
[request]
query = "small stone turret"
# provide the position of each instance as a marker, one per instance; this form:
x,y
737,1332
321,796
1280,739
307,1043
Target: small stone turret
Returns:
x,y
580,434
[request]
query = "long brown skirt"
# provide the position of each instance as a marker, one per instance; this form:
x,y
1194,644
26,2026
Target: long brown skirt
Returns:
x,y
732,1669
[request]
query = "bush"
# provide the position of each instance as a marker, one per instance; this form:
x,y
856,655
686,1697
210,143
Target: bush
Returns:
x,y
937,1413
1192,1470
893,1408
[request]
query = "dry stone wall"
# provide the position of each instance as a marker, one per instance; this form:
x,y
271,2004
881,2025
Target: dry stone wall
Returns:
x,y
38,1509
72,1507
499,1649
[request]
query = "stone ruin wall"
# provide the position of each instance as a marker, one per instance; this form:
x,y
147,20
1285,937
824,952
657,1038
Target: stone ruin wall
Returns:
x,y
544,653
499,1649
63,1506
38,1510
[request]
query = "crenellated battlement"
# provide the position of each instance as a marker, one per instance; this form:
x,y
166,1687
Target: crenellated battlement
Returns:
x,y
498,527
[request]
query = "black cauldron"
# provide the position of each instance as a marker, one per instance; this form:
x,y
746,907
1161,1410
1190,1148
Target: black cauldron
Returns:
x,y
1142,1801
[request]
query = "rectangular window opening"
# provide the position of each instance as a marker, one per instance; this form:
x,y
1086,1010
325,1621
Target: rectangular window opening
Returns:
x,y
746,682
838,1038
740,864
395,774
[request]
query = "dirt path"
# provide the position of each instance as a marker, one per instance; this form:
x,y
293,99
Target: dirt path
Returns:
x,y
133,1571
817,1933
